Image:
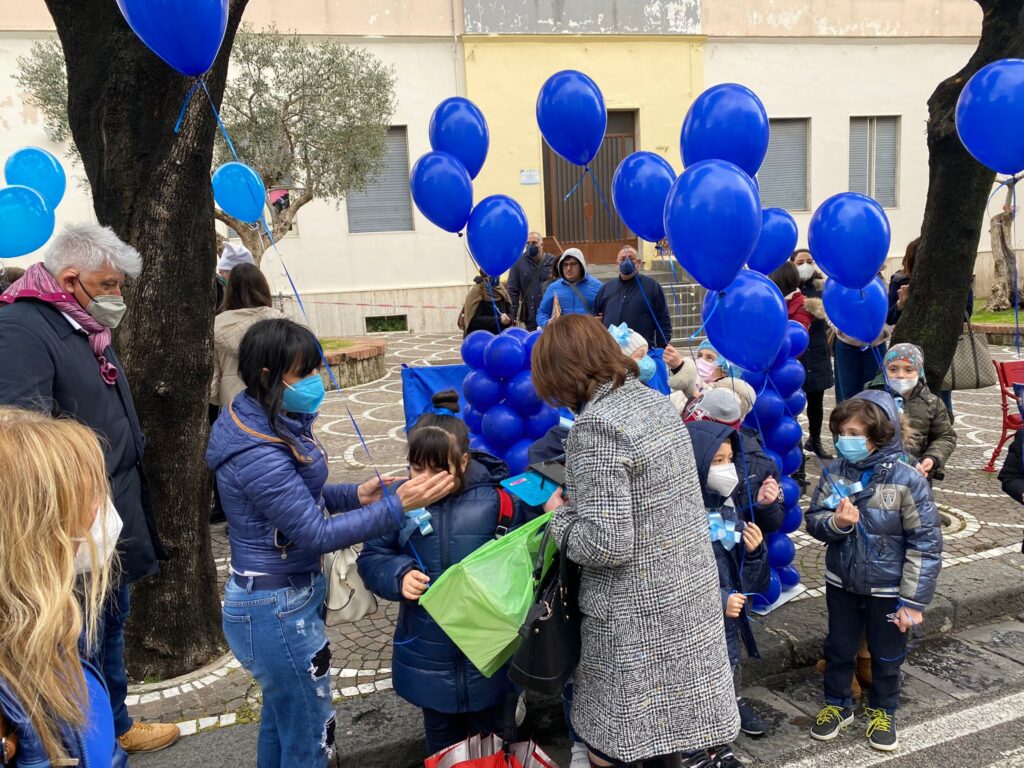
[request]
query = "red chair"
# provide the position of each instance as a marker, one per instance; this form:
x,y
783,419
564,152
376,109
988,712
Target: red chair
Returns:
x,y
1009,374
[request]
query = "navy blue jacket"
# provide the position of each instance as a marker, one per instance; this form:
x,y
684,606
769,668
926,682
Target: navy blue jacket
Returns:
x,y
526,282
274,499
738,570
620,301
759,468
428,669
896,548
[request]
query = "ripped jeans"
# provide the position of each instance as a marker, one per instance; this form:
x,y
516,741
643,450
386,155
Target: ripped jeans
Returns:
x,y
279,636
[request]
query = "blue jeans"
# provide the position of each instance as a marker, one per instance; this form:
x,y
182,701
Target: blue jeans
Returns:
x,y
279,636
109,654
855,368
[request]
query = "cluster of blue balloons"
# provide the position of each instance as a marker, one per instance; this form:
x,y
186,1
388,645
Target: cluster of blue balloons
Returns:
x,y
35,186
506,415
774,415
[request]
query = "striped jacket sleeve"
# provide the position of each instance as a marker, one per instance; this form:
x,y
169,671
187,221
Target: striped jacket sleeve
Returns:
x,y
922,534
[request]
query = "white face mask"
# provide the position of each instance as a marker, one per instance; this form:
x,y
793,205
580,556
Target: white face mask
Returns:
x,y
722,479
104,532
806,272
904,386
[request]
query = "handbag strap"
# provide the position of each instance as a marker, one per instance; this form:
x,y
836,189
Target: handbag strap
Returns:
x,y
506,513
579,295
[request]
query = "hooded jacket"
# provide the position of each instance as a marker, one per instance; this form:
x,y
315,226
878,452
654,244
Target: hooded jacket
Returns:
x,y
429,670
738,570
569,294
228,329
896,548
931,436
275,498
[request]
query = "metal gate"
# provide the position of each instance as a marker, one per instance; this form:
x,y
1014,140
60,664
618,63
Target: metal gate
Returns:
x,y
582,221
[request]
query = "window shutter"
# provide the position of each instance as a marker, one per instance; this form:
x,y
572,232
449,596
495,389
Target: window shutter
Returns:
x,y
887,141
386,203
860,142
783,175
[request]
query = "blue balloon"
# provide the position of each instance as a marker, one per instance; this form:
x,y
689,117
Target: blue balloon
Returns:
x,y
502,426
849,237
473,347
798,338
521,395
792,460
518,457
239,191
639,190
713,220
572,116
769,408
784,436
479,443
481,390
770,595
529,344
796,403
789,577
857,313
187,34
517,333
781,550
474,419
776,243
37,169
442,190
783,353
504,357
747,321
458,127
539,423
788,377
755,379
792,521
990,106
26,222
496,233
726,122
790,491
774,457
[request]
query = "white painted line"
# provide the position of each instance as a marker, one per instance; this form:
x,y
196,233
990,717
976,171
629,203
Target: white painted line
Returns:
x,y
1006,525
936,731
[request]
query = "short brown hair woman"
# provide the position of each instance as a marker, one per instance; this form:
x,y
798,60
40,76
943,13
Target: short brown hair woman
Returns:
x,y
654,677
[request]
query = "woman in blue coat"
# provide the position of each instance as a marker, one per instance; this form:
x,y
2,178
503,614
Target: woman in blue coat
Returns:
x,y
428,669
282,516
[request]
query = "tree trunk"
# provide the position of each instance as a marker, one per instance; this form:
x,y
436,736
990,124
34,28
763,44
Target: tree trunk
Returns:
x,y
153,188
958,189
1003,267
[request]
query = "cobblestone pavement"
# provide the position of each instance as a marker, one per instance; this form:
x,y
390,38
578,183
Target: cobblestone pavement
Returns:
x,y
982,523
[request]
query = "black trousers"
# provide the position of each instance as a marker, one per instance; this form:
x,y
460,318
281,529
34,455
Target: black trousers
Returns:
x,y
849,616
815,414
443,729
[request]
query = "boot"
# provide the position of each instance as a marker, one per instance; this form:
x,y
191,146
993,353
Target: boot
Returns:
x,y
863,674
818,449
855,686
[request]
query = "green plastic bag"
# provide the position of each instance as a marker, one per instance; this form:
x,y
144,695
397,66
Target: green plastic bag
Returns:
x,y
482,602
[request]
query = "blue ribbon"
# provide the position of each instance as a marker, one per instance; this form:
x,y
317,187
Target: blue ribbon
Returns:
x,y
842,491
416,519
724,531
620,333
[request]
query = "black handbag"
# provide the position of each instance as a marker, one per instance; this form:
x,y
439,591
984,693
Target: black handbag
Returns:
x,y
550,637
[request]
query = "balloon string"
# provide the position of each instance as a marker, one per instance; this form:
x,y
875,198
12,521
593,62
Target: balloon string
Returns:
x,y
600,192
654,317
675,277
188,100
577,184
1013,248
705,321
881,367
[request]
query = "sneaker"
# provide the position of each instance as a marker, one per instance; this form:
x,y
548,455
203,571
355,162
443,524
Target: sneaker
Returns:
x,y
580,758
725,758
831,720
149,737
701,759
881,729
750,722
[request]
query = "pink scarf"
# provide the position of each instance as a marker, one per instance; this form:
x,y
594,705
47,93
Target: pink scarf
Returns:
x,y
38,283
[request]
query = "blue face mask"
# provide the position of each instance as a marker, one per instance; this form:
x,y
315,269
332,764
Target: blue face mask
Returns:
x,y
627,267
647,368
853,449
304,396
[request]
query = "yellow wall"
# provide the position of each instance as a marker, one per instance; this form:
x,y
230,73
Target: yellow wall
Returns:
x,y
658,77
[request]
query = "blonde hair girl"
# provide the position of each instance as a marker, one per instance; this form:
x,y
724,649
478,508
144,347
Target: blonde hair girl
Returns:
x,y
52,485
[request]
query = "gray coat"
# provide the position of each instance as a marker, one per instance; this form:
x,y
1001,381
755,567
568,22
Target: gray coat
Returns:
x,y
654,675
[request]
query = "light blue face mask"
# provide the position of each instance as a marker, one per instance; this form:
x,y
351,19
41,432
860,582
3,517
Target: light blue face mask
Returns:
x,y
852,448
647,368
304,396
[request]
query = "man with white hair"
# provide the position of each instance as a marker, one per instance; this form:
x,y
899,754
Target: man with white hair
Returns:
x,y
55,324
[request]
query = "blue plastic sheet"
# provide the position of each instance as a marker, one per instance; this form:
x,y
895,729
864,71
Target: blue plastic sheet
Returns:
x,y
421,383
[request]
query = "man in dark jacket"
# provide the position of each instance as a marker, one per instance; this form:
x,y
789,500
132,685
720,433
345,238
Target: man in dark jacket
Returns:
x,y
55,326
526,281
636,300
1011,476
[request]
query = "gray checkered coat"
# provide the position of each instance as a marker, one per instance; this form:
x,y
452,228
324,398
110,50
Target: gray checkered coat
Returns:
x,y
654,675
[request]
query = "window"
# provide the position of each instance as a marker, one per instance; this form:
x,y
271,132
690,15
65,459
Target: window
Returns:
x,y
874,157
783,175
386,203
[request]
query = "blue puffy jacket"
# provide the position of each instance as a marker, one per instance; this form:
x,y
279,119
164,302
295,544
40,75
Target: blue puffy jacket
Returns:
x,y
274,499
738,570
896,548
569,300
428,669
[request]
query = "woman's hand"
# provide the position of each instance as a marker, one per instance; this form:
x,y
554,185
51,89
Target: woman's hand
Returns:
x,y
769,492
506,320
557,500
907,617
414,584
752,537
424,490
847,514
901,296
372,490
672,357
734,605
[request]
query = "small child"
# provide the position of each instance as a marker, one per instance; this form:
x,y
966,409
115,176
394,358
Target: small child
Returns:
x,y
884,537
430,672
932,439
635,346
737,540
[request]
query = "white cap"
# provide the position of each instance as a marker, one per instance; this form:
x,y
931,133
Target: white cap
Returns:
x,y
232,256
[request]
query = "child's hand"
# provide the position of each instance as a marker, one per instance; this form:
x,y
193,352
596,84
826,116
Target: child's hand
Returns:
x,y
847,514
769,492
734,605
907,617
925,466
414,584
752,537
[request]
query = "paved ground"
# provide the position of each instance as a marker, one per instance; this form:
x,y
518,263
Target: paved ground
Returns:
x,y
983,523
